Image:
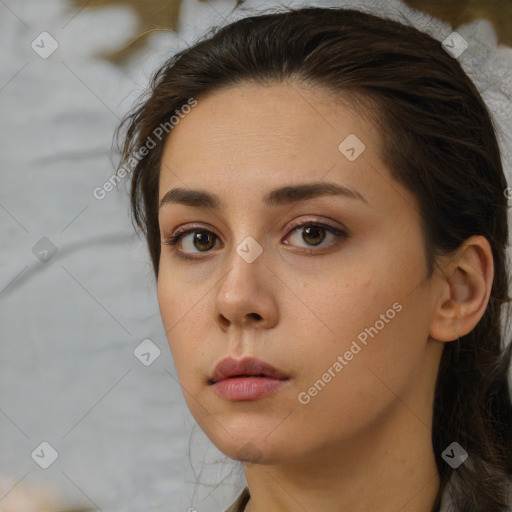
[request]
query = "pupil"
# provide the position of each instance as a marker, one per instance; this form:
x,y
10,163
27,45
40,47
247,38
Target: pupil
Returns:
x,y
200,237
308,231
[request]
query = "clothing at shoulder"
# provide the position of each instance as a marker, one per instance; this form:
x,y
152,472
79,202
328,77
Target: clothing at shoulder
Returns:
x,y
445,506
240,503
243,498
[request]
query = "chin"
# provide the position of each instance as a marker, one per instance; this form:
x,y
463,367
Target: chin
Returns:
x,y
254,448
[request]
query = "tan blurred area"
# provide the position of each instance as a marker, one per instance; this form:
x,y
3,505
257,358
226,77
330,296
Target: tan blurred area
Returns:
x,y
498,12
163,15
39,499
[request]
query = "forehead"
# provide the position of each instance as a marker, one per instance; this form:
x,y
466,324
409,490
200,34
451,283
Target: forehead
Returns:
x,y
248,131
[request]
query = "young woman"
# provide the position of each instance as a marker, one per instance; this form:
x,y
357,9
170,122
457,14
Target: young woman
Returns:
x,y
323,198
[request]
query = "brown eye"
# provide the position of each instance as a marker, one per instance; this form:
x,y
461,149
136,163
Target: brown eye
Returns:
x,y
313,234
201,240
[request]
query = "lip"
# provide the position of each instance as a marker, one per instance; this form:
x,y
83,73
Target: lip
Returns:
x,y
247,366
246,379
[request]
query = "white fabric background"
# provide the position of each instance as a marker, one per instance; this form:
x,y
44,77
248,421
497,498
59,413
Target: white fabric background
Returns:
x,y
68,375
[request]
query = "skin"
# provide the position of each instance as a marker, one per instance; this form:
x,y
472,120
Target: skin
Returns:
x,y
364,441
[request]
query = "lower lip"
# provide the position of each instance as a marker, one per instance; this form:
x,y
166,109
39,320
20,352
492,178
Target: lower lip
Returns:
x,y
247,388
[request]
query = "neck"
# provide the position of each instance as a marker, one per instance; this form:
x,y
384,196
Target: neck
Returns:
x,y
389,467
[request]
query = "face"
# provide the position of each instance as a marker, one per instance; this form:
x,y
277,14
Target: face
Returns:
x,y
329,288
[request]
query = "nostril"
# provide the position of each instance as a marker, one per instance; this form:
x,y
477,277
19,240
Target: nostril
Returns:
x,y
223,321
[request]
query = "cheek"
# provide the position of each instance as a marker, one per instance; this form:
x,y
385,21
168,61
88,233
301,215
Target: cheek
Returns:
x,y
166,301
174,318
181,305
337,305
179,300
350,385
372,321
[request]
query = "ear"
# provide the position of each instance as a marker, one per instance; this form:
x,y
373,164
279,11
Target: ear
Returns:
x,y
464,290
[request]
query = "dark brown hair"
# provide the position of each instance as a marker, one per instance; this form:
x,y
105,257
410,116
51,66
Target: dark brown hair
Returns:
x,y
438,140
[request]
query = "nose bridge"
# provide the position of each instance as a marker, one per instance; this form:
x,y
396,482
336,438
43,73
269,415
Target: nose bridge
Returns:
x,y
244,291
245,233
244,262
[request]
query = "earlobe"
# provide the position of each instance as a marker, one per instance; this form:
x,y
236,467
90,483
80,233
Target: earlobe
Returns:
x,y
465,288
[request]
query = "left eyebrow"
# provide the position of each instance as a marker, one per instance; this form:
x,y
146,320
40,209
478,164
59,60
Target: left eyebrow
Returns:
x,y
280,196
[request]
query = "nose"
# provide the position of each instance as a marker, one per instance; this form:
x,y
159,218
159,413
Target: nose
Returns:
x,y
245,296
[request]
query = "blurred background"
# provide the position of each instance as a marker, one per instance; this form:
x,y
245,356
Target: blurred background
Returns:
x,y
92,416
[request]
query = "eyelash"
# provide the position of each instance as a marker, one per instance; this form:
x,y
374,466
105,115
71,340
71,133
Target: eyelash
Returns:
x,y
172,240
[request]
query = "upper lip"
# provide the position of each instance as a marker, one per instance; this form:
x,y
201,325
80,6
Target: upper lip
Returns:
x,y
230,367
